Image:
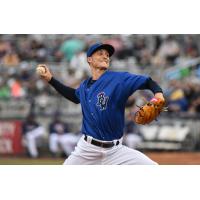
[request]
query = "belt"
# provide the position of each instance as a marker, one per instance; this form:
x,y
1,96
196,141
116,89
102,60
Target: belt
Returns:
x,y
101,144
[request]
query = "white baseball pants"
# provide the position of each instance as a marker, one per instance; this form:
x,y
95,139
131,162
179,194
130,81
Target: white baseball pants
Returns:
x,y
88,154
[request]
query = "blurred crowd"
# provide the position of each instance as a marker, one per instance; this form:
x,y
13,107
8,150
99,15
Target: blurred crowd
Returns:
x,y
146,49
183,96
66,56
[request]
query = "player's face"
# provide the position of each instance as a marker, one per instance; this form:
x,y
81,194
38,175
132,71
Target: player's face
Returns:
x,y
100,59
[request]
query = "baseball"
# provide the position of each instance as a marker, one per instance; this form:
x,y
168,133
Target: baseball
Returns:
x,y
40,70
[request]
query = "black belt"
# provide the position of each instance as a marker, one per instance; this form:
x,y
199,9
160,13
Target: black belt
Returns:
x,y
102,144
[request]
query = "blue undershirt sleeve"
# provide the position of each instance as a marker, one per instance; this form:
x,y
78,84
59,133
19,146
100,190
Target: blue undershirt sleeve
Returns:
x,y
65,91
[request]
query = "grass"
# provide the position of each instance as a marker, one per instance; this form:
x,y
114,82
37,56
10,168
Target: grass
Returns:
x,y
30,161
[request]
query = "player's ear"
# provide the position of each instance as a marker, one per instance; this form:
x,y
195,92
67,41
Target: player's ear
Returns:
x,y
89,59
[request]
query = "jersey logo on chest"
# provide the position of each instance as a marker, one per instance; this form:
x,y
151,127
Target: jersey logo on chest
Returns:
x,y
102,101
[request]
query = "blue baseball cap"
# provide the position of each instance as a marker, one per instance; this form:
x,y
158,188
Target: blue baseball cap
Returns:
x,y
98,46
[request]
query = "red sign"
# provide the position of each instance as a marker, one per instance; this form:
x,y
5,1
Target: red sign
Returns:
x,y
11,137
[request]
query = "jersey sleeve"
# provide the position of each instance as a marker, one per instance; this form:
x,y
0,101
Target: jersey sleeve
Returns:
x,y
133,82
78,90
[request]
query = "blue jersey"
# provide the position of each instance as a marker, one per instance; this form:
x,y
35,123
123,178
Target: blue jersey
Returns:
x,y
103,103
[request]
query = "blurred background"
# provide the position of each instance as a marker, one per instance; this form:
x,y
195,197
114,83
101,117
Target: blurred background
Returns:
x,y
38,126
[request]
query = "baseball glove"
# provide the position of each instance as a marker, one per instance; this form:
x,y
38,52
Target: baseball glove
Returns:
x,y
149,111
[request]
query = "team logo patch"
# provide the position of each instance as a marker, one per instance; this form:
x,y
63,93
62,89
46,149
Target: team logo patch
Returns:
x,y
102,101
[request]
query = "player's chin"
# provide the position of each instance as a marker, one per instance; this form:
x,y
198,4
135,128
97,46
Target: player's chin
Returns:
x,y
104,67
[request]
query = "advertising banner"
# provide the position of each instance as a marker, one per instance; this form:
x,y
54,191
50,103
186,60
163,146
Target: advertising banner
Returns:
x,y
11,137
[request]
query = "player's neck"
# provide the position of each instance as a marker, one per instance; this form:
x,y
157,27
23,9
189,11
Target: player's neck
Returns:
x,y
97,72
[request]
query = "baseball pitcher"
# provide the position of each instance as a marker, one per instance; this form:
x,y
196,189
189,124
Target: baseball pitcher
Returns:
x,y
103,97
